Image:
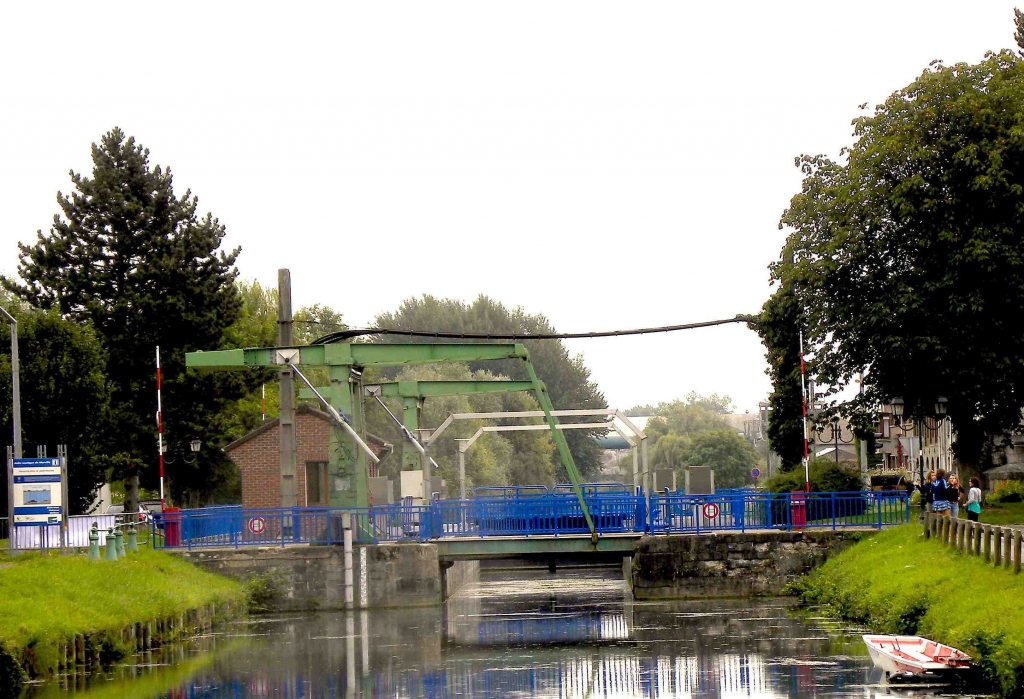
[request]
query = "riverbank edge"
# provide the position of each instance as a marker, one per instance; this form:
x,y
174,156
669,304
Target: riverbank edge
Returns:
x,y
49,653
900,582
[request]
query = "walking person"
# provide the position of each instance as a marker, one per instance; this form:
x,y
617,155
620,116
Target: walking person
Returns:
x,y
955,495
974,500
940,487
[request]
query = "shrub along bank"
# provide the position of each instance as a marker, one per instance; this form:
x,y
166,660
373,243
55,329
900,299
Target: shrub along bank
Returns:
x,y
61,610
899,582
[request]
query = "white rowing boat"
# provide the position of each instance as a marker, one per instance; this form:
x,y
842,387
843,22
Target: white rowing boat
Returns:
x,y
913,656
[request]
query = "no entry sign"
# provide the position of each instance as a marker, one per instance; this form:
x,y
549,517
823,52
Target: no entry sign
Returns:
x,y
710,510
257,525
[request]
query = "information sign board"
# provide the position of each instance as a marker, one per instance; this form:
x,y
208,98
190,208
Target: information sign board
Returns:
x,y
37,491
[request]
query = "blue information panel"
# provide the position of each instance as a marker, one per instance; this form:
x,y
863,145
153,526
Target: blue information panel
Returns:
x,y
38,492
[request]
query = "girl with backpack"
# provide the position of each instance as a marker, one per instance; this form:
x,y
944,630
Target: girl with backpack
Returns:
x,y
974,500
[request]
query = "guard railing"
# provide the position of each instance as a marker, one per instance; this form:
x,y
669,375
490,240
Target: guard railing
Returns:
x,y
554,514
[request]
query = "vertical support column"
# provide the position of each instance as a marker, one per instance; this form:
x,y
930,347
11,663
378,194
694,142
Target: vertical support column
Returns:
x,y
347,473
428,476
645,468
636,469
289,480
346,525
11,530
462,474
978,534
865,479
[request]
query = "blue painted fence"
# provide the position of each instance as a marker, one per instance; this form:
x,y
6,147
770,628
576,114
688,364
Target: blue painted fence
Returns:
x,y
552,514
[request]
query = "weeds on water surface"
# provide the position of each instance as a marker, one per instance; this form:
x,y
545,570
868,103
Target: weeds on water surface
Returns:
x,y
899,582
46,600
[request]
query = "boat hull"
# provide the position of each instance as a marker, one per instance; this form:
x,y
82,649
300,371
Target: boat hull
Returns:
x,y
912,656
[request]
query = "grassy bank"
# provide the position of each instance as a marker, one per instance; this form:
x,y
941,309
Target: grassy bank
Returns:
x,y
47,602
1004,513
899,582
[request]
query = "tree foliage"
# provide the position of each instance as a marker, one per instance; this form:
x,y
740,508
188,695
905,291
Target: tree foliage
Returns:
x,y
694,431
567,378
778,327
139,264
64,396
731,456
907,259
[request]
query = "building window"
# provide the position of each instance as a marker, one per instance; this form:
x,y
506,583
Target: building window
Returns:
x,y
316,483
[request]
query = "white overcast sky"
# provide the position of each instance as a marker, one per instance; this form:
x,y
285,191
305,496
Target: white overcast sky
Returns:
x,y
608,164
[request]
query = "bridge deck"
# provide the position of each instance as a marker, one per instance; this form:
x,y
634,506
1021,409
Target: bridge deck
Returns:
x,y
476,548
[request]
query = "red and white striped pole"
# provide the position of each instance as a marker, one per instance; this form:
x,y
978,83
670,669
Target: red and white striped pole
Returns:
x,y
803,398
160,427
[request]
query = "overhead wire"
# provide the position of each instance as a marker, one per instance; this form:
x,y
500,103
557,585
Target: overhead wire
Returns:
x,y
347,334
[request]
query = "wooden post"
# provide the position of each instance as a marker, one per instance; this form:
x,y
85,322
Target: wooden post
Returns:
x,y
986,536
978,527
1016,550
1008,543
927,525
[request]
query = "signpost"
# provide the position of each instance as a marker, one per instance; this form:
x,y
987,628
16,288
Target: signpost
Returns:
x,y
755,473
37,497
257,525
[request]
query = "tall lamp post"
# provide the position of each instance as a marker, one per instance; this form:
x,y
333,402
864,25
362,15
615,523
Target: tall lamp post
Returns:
x,y
15,383
193,446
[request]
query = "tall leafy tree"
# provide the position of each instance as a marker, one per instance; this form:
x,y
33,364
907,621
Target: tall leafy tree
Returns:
x,y
64,396
778,326
907,259
731,456
137,262
567,378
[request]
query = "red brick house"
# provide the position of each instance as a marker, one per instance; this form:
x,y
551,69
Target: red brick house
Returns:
x,y
258,458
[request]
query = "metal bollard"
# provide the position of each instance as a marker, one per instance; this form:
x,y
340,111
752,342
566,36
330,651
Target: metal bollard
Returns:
x,y
132,544
119,542
94,544
110,554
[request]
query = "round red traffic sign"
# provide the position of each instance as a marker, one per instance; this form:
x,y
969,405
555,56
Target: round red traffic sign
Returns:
x,y
257,525
755,472
710,510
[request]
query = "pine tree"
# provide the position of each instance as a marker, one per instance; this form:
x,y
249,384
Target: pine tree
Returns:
x,y
144,269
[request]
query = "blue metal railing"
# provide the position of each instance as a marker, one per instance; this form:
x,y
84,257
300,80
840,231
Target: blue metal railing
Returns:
x,y
758,510
531,515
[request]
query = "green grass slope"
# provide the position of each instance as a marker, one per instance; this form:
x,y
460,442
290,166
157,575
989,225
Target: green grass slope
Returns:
x,y
45,601
900,582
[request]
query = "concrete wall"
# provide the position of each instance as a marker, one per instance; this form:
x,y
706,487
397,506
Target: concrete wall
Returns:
x,y
728,565
313,577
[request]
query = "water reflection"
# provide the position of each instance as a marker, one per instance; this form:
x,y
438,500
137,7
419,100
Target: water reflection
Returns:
x,y
574,634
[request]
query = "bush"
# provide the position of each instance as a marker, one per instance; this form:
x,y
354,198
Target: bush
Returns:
x,y
1006,492
825,477
264,591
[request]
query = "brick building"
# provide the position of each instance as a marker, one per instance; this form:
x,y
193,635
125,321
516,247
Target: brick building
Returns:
x,y
258,458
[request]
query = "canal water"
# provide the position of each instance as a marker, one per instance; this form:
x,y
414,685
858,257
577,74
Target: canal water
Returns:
x,y
575,633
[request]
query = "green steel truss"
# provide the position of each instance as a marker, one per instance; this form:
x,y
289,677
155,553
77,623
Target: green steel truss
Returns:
x,y
344,361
